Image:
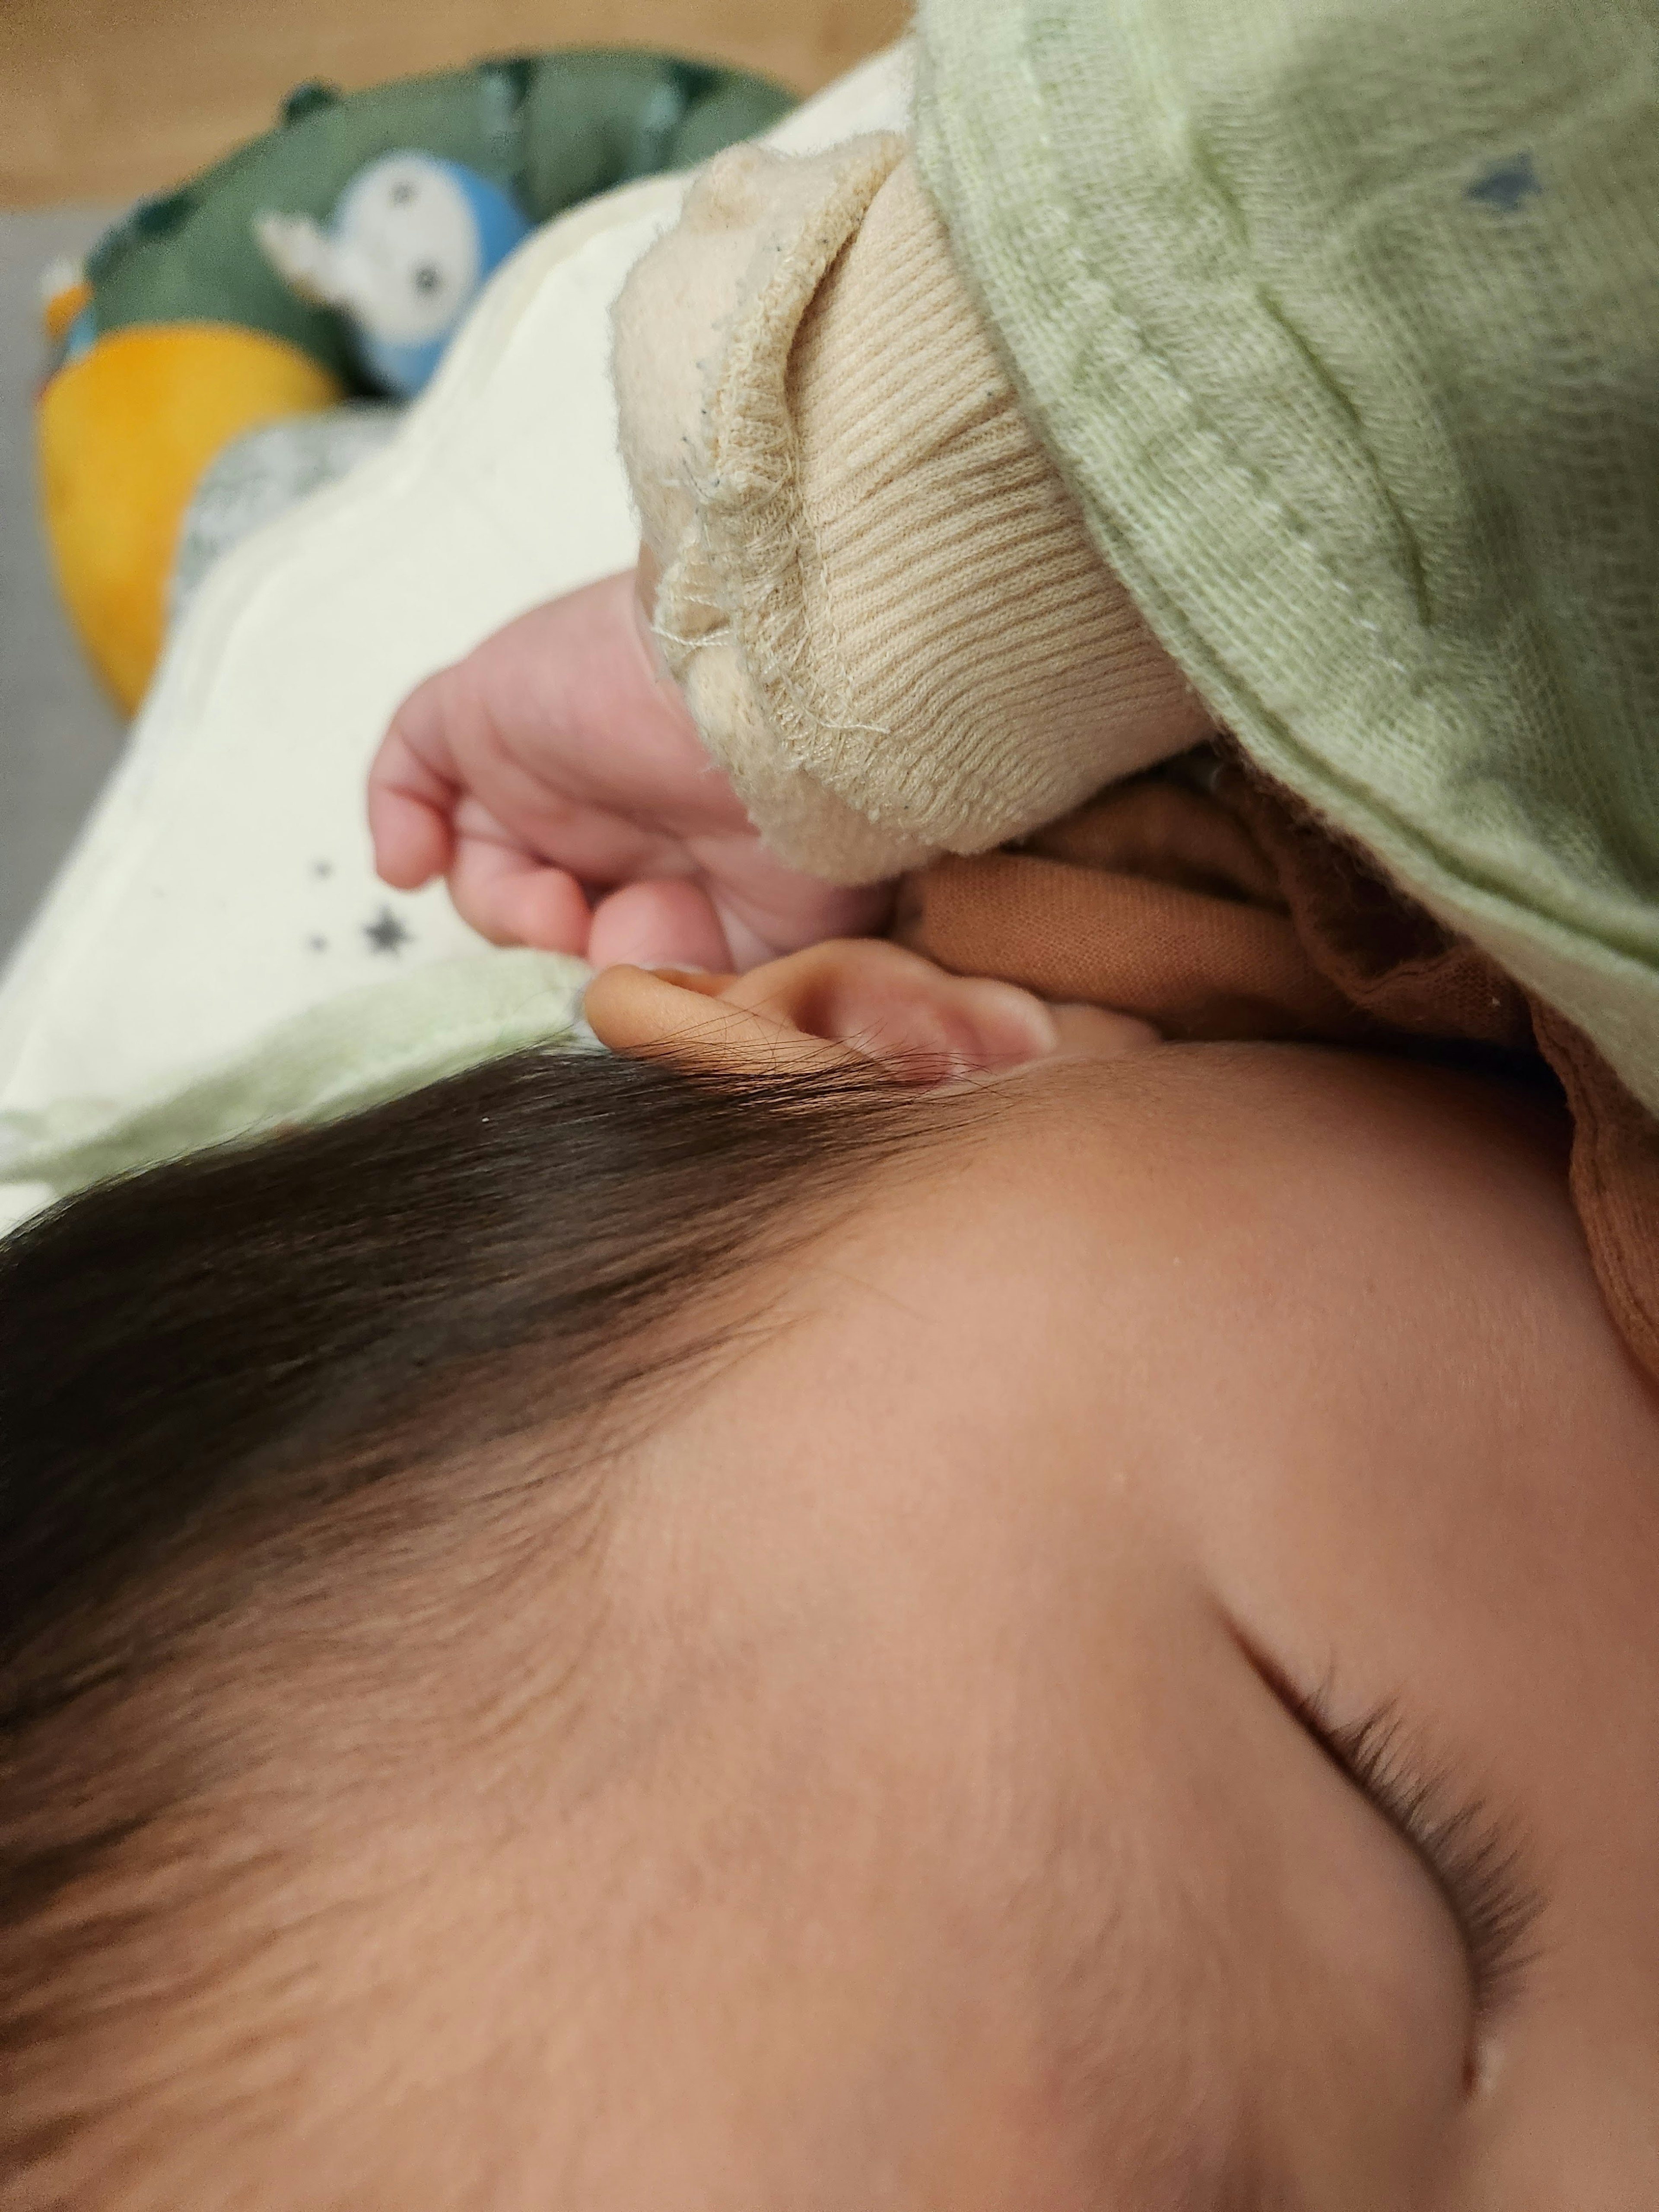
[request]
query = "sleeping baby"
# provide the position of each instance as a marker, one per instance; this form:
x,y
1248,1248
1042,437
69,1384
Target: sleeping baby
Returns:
x,y
1005,1560
698,1627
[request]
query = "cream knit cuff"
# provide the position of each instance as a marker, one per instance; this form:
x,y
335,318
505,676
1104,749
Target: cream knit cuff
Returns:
x,y
888,619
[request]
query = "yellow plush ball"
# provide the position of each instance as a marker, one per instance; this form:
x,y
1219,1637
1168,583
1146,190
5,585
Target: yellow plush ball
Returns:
x,y
125,432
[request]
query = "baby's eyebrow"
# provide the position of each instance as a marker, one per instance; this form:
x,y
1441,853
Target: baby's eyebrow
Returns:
x,y
1160,2106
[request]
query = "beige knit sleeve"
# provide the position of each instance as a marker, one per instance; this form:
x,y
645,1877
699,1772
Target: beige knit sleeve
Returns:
x,y
890,624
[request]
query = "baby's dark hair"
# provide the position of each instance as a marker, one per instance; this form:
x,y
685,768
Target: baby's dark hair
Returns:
x,y
283,1428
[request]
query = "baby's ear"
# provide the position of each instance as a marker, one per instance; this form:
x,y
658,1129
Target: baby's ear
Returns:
x,y
855,997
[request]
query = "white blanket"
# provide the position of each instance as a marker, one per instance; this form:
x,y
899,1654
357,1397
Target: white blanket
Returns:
x,y
223,884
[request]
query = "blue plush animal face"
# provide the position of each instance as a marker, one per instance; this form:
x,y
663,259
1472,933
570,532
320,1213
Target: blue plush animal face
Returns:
x,y
407,228
409,243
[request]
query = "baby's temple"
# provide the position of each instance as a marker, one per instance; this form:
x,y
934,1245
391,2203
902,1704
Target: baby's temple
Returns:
x,y
829,1189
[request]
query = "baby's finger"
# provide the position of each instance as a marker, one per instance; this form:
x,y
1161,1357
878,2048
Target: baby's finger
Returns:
x,y
657,923
410,810
511,898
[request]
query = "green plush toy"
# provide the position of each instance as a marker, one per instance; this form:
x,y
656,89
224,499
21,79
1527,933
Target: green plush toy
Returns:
x,y
331,257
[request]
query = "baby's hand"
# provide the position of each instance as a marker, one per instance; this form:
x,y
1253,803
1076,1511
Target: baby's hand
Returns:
x,y
556,778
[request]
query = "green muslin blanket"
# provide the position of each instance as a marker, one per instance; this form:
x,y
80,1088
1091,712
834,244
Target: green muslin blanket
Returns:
x,y
351,1052
1342,318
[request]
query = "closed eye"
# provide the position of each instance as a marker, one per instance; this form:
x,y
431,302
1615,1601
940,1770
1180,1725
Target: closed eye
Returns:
x,y
1476,1857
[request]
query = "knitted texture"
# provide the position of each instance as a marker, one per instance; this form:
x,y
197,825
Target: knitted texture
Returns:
x,y
891,622
1339,317
704,322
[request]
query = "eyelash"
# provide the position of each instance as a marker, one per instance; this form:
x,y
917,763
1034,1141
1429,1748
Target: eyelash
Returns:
x,y
1477,1863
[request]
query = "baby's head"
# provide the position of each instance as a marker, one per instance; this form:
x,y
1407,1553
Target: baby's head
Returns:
x,y
706,1628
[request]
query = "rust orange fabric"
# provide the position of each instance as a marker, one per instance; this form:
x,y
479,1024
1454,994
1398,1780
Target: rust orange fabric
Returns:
x,y
1220,908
